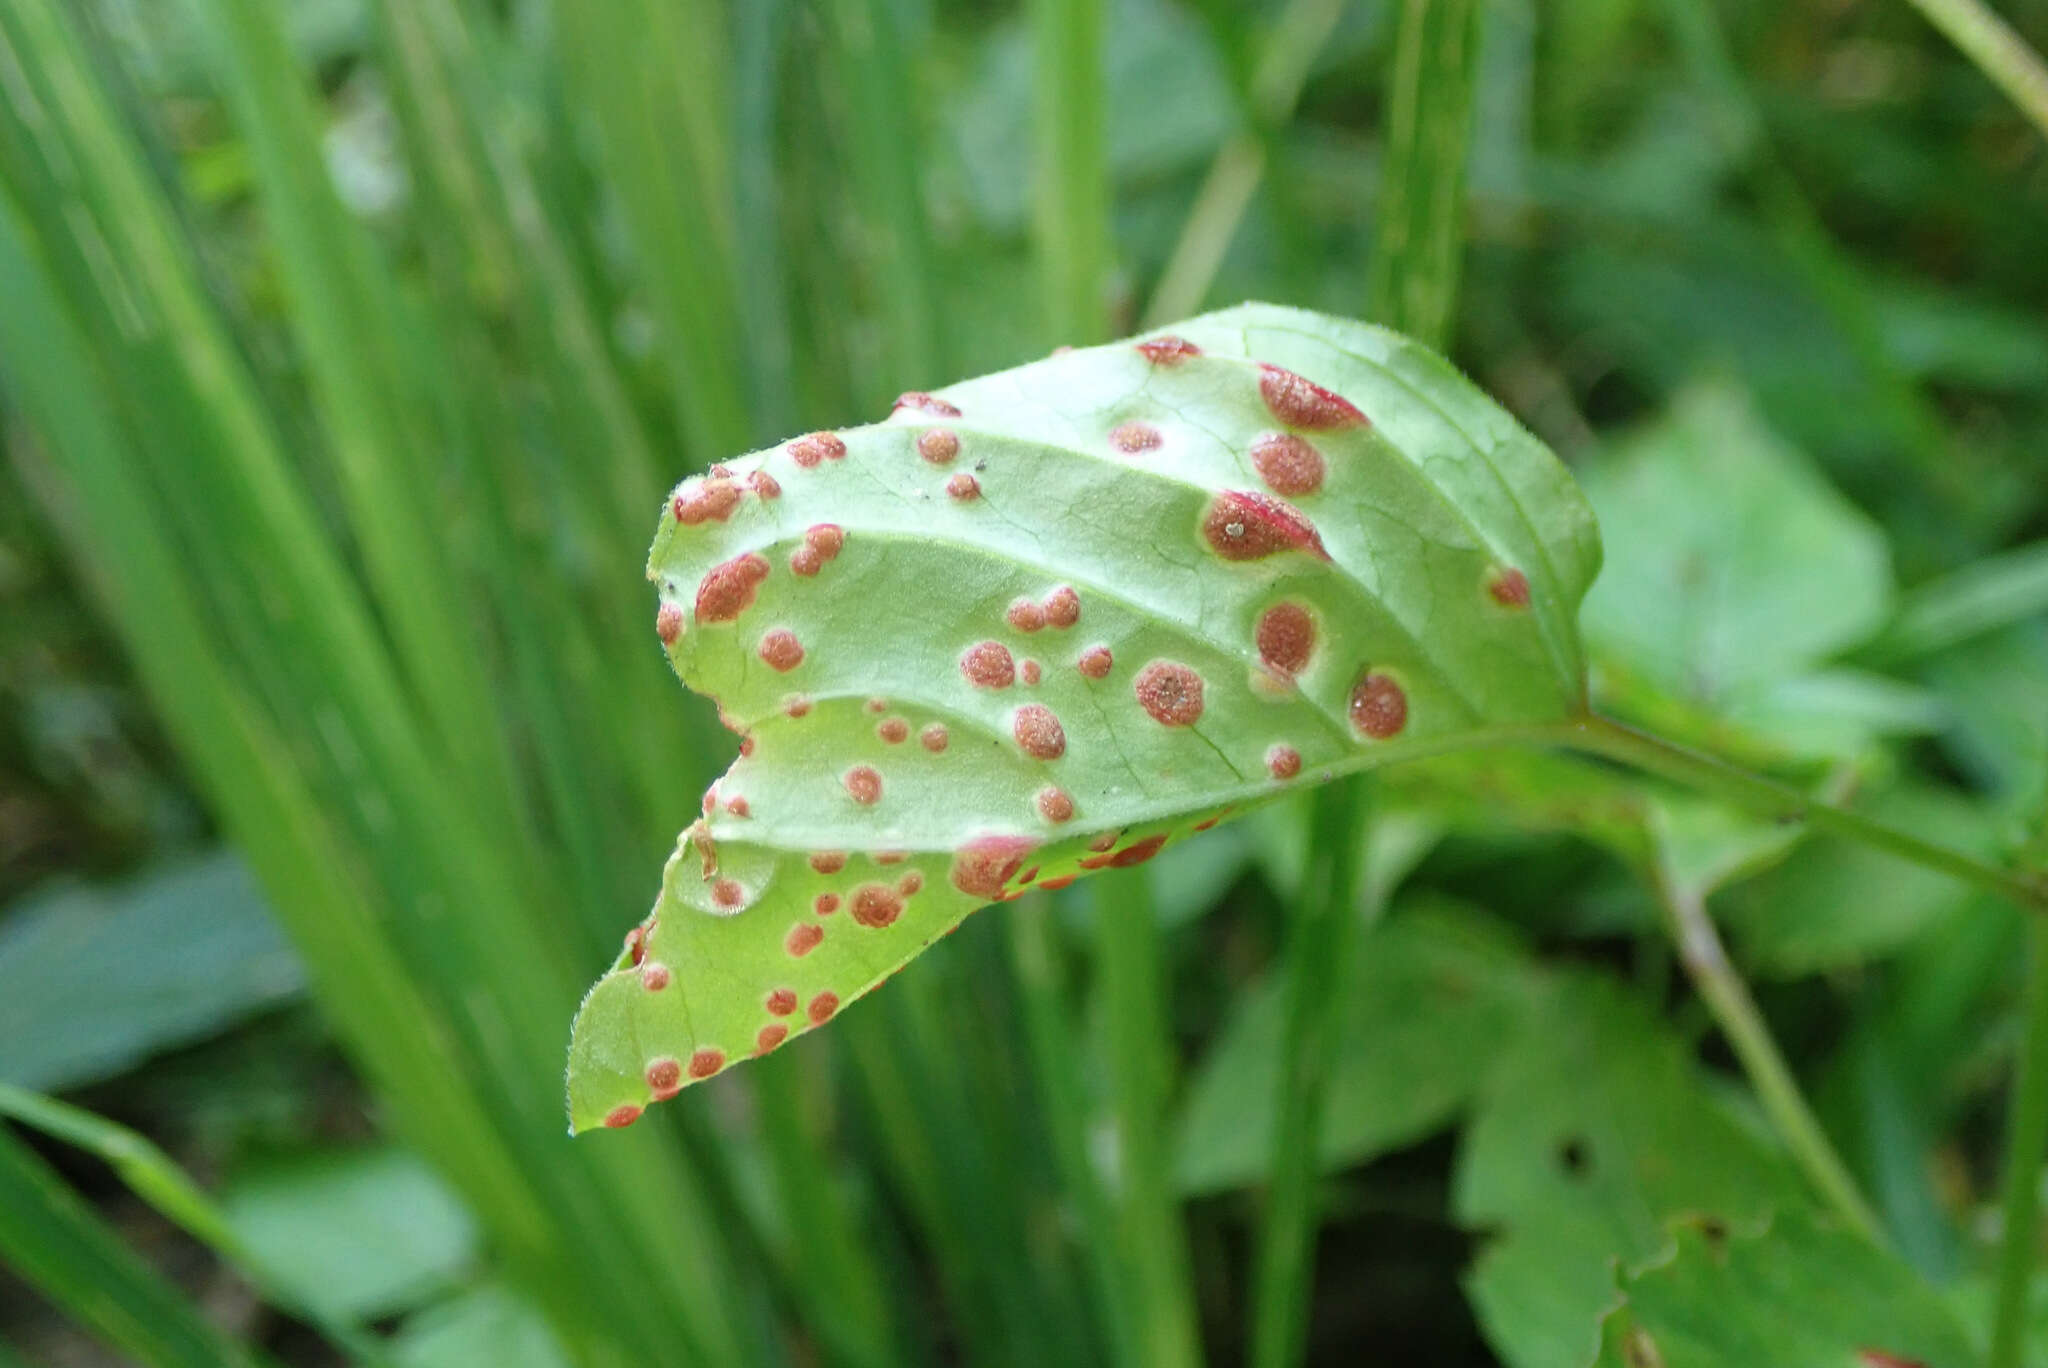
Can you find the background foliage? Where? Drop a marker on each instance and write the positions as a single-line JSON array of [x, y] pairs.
[[346, 348]]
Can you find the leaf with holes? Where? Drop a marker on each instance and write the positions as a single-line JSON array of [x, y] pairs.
[[1045, 622]]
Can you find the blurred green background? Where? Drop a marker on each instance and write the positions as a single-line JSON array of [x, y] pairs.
[[347, 348]]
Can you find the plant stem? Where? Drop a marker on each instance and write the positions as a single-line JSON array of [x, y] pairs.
[[2026, 1142], [1319, 940], [1999, 52], [1071, 205], [1603, 736], [1304, 26], [1419, 230], [1132, 995], [1735, 1012]]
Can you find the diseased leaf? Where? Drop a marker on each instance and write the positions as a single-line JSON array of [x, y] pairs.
[[1044, 622]]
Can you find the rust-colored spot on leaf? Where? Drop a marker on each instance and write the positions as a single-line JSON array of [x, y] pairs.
[[764, 485], [1286, 638], [728, 894], [620, 1117], [1132, 438], [1062, 607], [665, 1077], [781, 1002], [1288, 464], [1509, 588], [1283, 762], [876, 905], [894, 731], [654, 976], [1025, 615], [926, 403], [1168, 350], [1095, 662], [1301, 403], [1055, 805], [769, 1036], [727, 589], [806, 561], [710, 500], [1055, 885], [803, 938], [1170, 692], [706, 1062], [1242, 525], [825, 539], [808, 450], [938, 445], [1039, 732], [782, 650], [933, 738], [986, 863], [828, 861], [988, 665], [668, 624], [864, 783], [911, 883], [1379, 708], [1136, 853], [964, 487], [822, 1007]]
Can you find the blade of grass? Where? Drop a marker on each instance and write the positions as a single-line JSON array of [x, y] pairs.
[[1233, 178], [648, 77], [1131, 998], [1059, 1069], [151, 1175], [2026, 1143], [1999, 52], [1070, 171], [1983, 596], [60, 1246], [1319, 940], [874, 76]]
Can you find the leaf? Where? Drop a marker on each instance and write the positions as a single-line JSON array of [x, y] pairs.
[[1049, 620], [1432, 993], [1743, 566], [357, 1233], [206, 955], [1597, 1128], [487, 1328], [1789, 1290]]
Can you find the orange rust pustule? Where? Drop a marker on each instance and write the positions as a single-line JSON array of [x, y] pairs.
[[864, 783], [925, 403], [986, 863], [1055, 805], [706, 1062], [620, 1117], [1283, 762], [1095, 662], [933, 738], [782, 650], [1243, 525], [1286, 638], [727, 589], [825, 904], [814, 447], [1509, 588], [1168, 350], [1025, 615], [781, 1002], [802, 939], [1301, 403], [1288, 464], [1062, 607], [822, 1007], [711, 501], [894, 731], [1132, 438], [770, 1036], [1170, 692], [988, 665], [1379, 708], [828, 861], [938, 445], [1136, 853], [964, 487], [665, 1077], [1039, 732], [876, 905], [668, 624]]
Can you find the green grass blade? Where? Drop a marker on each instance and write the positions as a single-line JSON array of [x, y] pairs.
[[1999, 52], [56, 1242], [1419, 231], [151, 1175], [1131, 997], [1070, 207], [1319, 941]]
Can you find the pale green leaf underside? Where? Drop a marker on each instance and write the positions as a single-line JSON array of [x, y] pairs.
[[1454, 551]]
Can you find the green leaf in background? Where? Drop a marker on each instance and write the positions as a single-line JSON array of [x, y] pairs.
[[1044, 622], [1599, 1128], [94, 981], [358, 1233], [1787, 1290], [1432, 993], [1744, 567], [486, 1328]]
